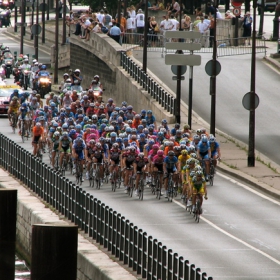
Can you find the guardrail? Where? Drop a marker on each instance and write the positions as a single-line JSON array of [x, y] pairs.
[[144, 254], [165, 99]]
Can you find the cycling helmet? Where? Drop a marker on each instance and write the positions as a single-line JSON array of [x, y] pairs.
[[52, 104], [115, 145], [160, 134], [24, 105], [128, 130], [160, 153], [151, 142], [38, 124], [140, 127], [164, 121], [77, 71], [196, 137], [149, 112], [78, 126], [62, 114], [170, 143], [56, 134], [86, 119], [98, 145], [171, 153], [155, 147], [204, 139], [65, 126], [52, 129], [137, 116], [113, 134], [72, 132], [142, 135], [44, 67], [199, 173], [143, 112], [119, 140], [184, 152], [110, 100], [191, 149], [91, 105], [129, 107], [212, 139], [186, 126], [124, 103], [193, 155], [141, 155], [129, 121], [177, 148]]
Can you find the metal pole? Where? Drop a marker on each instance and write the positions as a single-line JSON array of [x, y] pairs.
[[145, 47], [15, 25], [43, 21], [179, 74], [24, 15], [119, 12], [213, 78], [8, 217], [64, 24], [36, 40], [190, 88], [251, 146], [260, 33], [54, 252], [32, 18], [21, 27], [275, 35], [48, 10], [56, 43]]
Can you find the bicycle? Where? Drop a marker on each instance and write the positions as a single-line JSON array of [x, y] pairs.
[[14, 121], [98, 175], [212, 172], [170, 187], [79, 172], [115, 179], [198, 209], [158, 184], [64, 166], [141, 185], [91, 174], [56, 161], [24, 131], [106, 172]]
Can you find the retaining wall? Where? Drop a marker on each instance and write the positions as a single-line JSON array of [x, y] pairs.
[[92, 262]]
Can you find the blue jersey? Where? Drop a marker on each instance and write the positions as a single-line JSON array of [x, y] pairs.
[[171, 162], [203, 149], [214, 147], [150, 120], [79, 148]]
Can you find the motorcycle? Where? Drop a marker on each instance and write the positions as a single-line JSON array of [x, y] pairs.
[[24, 79], [2, 73], [44, 85], [16, 73], [9, 67]]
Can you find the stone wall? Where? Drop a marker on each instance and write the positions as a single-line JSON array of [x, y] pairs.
[[92, 262]]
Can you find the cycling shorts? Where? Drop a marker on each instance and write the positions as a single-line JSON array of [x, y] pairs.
[[36, 139], [80, 155], [65, 149], [159, 167], [169, 170], [116, 161], [26, 118], [214, 154], [199, 190], [139, 168], [204, 155], [98, 160], [55, 148]]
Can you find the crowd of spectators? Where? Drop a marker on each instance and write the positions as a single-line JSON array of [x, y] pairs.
[[132, 25]]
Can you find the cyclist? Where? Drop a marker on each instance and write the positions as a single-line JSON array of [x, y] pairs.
[[198, 187], [78, 153], [65, 147], [170, 166], [139, 165], [89, 155], [215, 149], [24, 116], [114, 157], [38, 135], [99, 155], [157, 165], [151, 119], [13, 108], [204, 153], [128, 160], [55, 146]]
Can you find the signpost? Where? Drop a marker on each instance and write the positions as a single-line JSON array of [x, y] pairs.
[[181, 60]]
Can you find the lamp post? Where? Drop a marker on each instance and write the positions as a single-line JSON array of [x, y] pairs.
[[145, 47], [55, 78], [251, 146]]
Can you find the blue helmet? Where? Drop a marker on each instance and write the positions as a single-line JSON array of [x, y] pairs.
[[43, 67]]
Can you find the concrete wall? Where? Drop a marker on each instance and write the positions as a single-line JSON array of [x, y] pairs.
[[105, 61], [92, 262]]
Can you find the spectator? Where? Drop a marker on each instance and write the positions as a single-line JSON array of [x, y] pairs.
[[203, 27], [175, 8], [186, 23], [211, 28], [107, 19], [100, 16], [229, 15], [130, 29], [210, 10], [175, 23], [247, 27], [132, 11], [154, 31], [219, 15], [88, 29], [122, 22], [115, 32], [140, 21]]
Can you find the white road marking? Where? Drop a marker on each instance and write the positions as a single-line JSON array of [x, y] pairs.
[[248, 188]]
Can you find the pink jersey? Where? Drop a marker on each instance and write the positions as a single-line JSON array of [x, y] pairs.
[[151, 154], [158, 160]]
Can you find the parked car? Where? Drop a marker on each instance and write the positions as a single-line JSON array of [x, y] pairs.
[[5, 93]]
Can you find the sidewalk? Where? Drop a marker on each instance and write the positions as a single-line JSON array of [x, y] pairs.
[[265, 175]]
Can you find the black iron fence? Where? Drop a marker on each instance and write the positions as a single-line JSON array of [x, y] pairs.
[[144, 254], [165, 99]]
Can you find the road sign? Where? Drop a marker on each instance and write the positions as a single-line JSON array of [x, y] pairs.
[[36, 30], [174, 78], [236, 3], [181, 59], [183, 34], [209, 68], [236, 11], [21, 24], [174, 69], [183, 46], [246, 101]]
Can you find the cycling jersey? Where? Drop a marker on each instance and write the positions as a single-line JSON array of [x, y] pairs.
[[171, 164], [150, 120], [14, 107], [65, 141], [38, 131], [214, 148], [198, 186]]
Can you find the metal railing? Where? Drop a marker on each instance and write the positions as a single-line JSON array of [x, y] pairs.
[[165, 99], [226, 46], [130, 244]]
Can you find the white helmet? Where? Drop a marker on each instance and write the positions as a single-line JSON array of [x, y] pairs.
[[25, 56], [77, 70], [34, 60]]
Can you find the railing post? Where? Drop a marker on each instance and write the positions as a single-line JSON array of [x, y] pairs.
[[150, 258]]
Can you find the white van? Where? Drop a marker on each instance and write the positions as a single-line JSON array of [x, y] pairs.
[[269, 6]]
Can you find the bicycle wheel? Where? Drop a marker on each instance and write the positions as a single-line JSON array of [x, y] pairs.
[[97, 178], [141, 189], [131, 187], [212, 174], [158, 190], [198, 209], [170, 190], [22, 131]]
